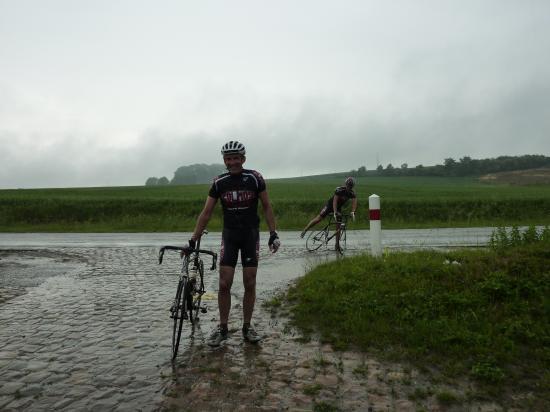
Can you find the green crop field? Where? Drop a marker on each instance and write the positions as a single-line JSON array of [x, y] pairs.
[[406, 202]]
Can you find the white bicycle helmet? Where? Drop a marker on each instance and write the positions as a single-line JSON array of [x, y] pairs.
[[233, 147]]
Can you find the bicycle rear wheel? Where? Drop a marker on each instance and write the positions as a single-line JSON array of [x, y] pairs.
[[315, 240], [179, 314]]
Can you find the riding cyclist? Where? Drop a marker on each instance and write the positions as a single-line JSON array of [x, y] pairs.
[[238, 190], [334, 206]]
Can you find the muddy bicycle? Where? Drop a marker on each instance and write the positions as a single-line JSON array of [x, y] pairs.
[[187, 303], [322, 237]]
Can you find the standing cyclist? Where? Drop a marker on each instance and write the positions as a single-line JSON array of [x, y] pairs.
[[334, 205], [238, 190]]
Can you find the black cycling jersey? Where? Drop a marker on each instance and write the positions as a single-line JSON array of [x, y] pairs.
[[343, 196], [239, 198]]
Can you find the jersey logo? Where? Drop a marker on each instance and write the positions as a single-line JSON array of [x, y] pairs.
[[238, 198]]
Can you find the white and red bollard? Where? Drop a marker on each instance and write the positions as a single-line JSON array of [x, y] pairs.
[[375, 225]]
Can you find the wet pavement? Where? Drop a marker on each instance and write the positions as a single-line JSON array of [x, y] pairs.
[[84, 325]]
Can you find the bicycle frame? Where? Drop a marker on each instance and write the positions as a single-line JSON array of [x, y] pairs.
[[322, 237]]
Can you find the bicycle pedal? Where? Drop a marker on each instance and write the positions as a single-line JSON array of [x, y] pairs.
[[204, 310]]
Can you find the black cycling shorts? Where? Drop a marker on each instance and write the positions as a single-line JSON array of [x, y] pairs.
[[328, 210], [247, 240]]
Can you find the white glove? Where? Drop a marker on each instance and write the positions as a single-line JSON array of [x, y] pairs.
[[276, 245], [274, 242], [352, 216]]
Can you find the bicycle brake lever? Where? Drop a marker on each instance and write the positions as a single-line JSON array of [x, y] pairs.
[[214, 259], [161, 254]]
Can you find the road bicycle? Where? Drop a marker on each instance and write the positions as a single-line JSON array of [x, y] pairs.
[[322, 237], [187, 303]]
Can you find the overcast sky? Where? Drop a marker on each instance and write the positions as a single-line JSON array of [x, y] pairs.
[[96, 93]]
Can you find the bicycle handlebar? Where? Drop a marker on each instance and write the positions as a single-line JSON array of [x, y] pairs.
[[181, 249], [343, 216]]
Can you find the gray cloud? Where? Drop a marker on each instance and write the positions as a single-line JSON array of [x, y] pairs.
[[309, 88], [315, 135]]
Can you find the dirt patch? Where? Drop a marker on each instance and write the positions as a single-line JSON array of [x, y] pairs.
[[519, 177]]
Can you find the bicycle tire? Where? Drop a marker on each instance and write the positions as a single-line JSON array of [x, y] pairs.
[[343, 239], [180, 315], [188, 291], [197, 292], [315, 240]]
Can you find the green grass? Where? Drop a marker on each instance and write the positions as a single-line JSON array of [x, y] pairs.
[[407, 202], [485, 318]]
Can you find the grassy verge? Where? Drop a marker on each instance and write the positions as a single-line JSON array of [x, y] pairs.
[[482, 314], [164, 215]]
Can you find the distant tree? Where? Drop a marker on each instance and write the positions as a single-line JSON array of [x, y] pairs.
[[196, 173], [163, 181], [450, 166], [404, 166], [361, 171], [380, 169], [152, 181], [449, 162], [390, 170], [418, 170]]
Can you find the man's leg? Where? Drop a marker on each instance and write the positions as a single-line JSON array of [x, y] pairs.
[[228, 260], [250, 255], [224, 305], [224, 293], [312, 223], [249, 281]]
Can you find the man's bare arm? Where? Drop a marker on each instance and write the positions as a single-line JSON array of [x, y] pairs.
[[268, 211]]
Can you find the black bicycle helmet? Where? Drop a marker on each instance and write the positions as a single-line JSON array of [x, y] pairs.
[[350, 182], [233, 147]]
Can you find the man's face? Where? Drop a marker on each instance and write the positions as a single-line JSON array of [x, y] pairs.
[[234, 163]]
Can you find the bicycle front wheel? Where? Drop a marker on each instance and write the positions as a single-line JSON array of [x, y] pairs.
[[179, 314], [196, 294], [343, 239], [315, 240]]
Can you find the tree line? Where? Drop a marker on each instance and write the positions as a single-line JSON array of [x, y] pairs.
[[465, 166]]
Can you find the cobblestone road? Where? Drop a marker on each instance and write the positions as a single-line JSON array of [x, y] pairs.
[[89, 329]]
